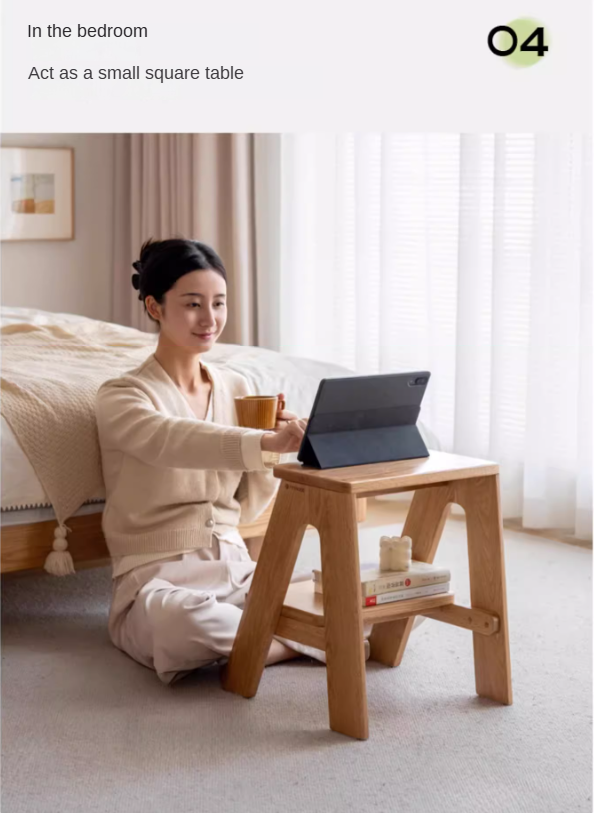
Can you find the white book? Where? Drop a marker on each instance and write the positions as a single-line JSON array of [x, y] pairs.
[[375, 581], [403, 595], [399, 595]]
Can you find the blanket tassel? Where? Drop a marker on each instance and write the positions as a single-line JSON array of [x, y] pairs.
[[59, 561]]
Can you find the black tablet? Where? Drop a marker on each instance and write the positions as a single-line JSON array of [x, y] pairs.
[[365, 419]]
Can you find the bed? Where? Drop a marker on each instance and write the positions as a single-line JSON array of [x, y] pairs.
[[28, 514]]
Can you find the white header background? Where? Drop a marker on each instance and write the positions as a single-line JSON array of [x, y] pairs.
[[313, 64]]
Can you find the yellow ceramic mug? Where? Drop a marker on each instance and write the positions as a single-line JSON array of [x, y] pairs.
[[258, 411]]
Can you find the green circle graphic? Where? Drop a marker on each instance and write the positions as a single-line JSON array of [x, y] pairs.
[[524, 27]]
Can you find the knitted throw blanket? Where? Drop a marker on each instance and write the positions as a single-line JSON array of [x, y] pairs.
[[50, 376]]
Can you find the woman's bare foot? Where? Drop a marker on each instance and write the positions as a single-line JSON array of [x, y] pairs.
[[276, 654]]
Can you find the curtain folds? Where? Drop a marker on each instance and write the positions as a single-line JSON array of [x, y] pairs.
[[465, 254], [199, 186], [469, 255]]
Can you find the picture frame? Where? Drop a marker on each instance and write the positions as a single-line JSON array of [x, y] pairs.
[[37, 193]]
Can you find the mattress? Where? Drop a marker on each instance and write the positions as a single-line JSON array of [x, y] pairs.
[[23, 499]]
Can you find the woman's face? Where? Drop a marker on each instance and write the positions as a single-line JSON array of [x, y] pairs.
[[194, 311]]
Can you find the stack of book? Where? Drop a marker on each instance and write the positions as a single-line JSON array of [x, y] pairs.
[[382, 587]]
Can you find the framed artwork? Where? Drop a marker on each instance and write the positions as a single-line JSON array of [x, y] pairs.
[[37, 193]]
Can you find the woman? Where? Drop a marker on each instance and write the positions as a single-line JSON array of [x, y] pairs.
[[179, 474]]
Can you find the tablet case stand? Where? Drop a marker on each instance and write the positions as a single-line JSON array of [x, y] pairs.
[[328, 450]]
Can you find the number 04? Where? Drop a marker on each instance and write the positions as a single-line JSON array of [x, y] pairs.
[[537, 34]]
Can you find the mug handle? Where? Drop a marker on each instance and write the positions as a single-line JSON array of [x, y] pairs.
[[281, 404]]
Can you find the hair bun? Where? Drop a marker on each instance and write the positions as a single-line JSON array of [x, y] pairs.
[[136, 277]]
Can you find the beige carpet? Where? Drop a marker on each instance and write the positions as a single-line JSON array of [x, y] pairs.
[[85, 728]]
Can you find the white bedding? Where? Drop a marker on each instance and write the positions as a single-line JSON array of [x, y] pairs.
[[23, 499]]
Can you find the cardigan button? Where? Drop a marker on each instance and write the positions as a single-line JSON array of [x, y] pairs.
[[209, 523]]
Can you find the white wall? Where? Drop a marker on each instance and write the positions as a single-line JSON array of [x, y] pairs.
[[70, 276]]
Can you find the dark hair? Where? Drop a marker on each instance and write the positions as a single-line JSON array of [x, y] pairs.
[[163, 262]]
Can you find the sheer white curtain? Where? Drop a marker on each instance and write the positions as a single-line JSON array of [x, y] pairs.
[[467, 255]]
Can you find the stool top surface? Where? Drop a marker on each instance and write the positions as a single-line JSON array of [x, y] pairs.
[[439, 467]]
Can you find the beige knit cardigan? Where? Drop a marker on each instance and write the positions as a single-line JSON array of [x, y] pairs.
[[169, 477], [50, 378]]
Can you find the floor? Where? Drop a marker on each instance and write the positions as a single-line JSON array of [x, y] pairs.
[[86, 728]]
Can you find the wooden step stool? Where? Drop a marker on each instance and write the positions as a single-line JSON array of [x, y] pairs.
[[334, 622]]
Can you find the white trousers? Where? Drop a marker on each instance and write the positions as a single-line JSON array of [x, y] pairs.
[[182, 613], [179, 614]]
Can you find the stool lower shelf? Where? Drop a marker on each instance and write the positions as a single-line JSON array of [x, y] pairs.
[[327, 499], [302, 615]]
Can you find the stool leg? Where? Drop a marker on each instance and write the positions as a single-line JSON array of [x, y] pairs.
[[271, 580], [339, 545], [492, 665], [426, 517]]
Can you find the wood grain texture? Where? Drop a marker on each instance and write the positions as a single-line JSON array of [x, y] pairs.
[[272, 576], [338, 615], [424, 523], [382, 478], [492, 664], [361, 509], [25, 547], [335, 517], [469, 618], [303, 633], [303, 604]]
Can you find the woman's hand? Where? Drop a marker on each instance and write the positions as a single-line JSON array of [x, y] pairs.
[[283, 416], [287, 433], [287, 439]]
